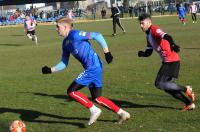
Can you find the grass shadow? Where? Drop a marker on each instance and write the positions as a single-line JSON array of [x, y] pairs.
[[121, 103], [31, 115], [17, 35], [192, 48], [11, 45]]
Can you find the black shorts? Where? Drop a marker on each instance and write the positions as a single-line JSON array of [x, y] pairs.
[[31, 32], [170, 69]]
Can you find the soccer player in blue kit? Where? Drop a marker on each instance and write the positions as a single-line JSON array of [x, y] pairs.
[[181, 13], [76, 43]]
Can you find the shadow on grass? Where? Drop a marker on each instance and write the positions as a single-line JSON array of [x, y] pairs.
[[121, 103], [192, 48], [11, 45], [31, 115], [18, 35]]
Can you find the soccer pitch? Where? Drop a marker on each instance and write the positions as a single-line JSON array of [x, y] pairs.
[[41, 101]]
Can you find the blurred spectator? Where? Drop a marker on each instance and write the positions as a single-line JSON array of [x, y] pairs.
[[94, 13], [170, 6], [11, 19], [103, 13], [41, 14], [136, 10], [130, 11], [162, 9], [121, 8], [150, 9]]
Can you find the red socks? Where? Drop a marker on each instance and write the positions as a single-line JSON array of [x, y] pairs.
[[108, 103], [81, 98]]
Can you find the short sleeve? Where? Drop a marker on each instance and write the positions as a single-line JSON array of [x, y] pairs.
[[157, 32]]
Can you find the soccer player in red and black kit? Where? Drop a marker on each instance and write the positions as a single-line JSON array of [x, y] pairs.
[[164, 45]]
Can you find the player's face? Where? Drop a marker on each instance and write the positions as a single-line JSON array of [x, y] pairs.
[[63, 30], [145, 24]]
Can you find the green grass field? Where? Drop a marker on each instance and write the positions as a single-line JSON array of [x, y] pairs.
[[40, 100]]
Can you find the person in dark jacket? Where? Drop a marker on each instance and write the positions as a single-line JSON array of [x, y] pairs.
[[116, 19]]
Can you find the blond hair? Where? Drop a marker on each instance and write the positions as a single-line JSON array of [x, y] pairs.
[[64, 20]]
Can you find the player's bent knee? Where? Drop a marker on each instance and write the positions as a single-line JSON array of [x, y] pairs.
[[97, 99], [70, 94], [71, 89]]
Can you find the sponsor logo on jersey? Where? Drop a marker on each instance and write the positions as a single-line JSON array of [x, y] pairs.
[[82, 33]]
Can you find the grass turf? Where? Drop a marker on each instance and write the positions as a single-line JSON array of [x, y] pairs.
[[40, 100]]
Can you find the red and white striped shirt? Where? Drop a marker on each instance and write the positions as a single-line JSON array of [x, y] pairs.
[[161, 46]]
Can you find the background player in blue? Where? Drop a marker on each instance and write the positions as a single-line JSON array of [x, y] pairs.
[[181, 13], [76, 43]]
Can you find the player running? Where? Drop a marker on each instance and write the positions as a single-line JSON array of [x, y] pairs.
[[76, 43], [181, 13], [164, 45], [193, 11], [29, 28]]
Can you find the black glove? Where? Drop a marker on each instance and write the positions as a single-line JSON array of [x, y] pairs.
[[141, 53], [46, 70], [108, 57], [175, 48]]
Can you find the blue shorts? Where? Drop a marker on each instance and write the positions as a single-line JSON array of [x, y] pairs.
[[91, 77], [181, 16]]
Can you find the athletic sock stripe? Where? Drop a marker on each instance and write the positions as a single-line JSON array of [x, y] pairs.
[[102, 103], [79, 97]]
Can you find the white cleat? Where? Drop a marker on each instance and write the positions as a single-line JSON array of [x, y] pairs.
[[123, 117], [94, 116]]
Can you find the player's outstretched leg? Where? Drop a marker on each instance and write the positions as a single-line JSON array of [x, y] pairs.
[[96, 96], [35, 39], [123, 115], [73, 92], [82, 99], [29, 36]]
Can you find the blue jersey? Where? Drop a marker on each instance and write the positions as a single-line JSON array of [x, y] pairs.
[[181, 11], [77, 43]]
